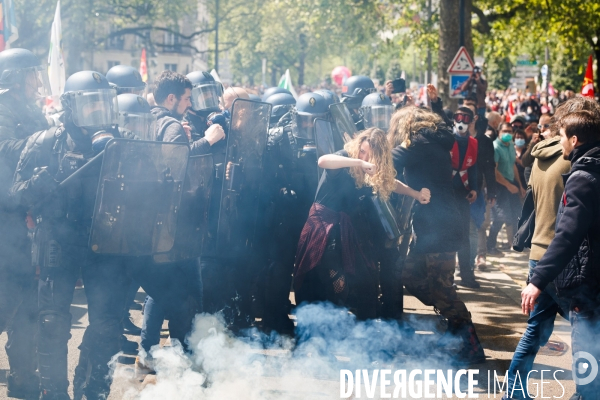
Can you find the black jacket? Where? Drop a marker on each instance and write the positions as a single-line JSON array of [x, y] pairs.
[[573, 257], [169, 129], [427, 164]]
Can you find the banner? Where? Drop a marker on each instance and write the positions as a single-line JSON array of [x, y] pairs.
[[144, 66], [56, 63], [286, 83]]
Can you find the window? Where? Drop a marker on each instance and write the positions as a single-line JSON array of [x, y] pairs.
[[112, 64], [117, 42], [172, 42], [171, 67]]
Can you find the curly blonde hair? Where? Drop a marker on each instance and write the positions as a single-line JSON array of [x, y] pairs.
[[407, 122], [384, 180]]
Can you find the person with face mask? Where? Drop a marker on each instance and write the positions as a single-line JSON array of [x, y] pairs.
[[22, 81], [464, 180], [520, 139], [508, 204]]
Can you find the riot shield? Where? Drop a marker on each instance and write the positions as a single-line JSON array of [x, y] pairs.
[[386, 214], [138, 197], [342, 121], [323, 140], [192, 216], [240, 191]]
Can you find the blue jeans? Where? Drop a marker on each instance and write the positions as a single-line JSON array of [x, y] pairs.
[[585, 337], [539, 328]]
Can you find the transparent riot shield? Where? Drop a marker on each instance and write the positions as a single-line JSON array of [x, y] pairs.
[[342, 121], [138, 197], [387, 216], [246, 144], [192, 217], [323, 140]]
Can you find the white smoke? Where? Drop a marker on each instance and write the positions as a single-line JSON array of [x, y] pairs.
[[256, 366]]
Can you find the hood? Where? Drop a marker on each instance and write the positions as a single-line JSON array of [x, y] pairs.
[[547, 149], [589, 161], [160, 112], [441, 136]]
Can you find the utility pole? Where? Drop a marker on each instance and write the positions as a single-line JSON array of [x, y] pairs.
[[461, 23], [217, 35], [429, 45]]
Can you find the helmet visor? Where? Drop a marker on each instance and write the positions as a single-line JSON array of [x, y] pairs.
[[36, 81], [142, 125], [378, 116], [206, 96], [96, 108], [303, 126], [139, 91]]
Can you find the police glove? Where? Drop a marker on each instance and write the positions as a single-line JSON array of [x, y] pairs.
[[43, 181]]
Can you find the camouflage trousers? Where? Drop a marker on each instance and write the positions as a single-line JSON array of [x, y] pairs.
[[430, 277]]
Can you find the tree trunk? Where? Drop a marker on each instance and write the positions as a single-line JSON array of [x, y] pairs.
[[302, 58], [449, 43], [597, 55]]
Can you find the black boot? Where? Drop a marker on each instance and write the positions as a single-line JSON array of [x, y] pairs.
[[472, 350], [22, 387], [52, 355]]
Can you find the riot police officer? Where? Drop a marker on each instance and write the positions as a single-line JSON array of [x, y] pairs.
[[273, 90], [135, 117], [205, 96], [62, 216], [127, 79], [355, 89], [22, 81], [282, 104], [329, 96], [376, 110], [291, 177]]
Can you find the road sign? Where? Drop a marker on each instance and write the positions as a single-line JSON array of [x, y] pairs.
[[462, 63], [456, 82], [544, 71]]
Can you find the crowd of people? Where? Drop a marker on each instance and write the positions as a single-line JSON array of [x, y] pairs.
[[217, 200]]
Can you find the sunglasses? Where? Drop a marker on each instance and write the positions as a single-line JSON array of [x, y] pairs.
[[543, 127], [465, 118]]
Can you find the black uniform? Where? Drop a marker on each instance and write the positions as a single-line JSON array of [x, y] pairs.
[[18, 287]]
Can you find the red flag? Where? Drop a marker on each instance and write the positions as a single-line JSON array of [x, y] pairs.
[[143, 66], [587, 90]]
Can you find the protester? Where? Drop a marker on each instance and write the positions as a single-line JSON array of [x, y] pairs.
[[422, 145], [572, 257], [520, 140], [547, 187], [508, 204], [330, 261]]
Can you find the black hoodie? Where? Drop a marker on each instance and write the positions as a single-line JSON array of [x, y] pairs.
[[169, 129], [573, 256], [427, 164]]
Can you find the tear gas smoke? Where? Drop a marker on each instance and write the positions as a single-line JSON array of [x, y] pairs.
[[255, 366]]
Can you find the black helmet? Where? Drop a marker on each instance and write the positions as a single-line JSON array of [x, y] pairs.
[[16, 64], [254, 97], [205, 92], [308, 107], [91, 99], [356, 88], [331, 97], [127, 79], [377, 110], [135, 116], [274, 90], [282, 103]]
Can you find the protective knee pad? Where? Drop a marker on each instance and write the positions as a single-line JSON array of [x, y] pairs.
[[54, 326]]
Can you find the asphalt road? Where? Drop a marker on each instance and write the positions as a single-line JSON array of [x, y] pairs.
[[496, 312]]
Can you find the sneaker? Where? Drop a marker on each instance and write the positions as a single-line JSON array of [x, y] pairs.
[[495, 252], [145, 367], [481, 263]]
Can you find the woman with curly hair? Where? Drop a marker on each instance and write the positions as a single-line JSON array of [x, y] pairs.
[[330, 261], [421, 152]]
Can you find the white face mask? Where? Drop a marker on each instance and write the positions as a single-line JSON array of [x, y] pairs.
[[460, 127]]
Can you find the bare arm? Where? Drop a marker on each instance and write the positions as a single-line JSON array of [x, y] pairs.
[[333, 161], [422, 196]]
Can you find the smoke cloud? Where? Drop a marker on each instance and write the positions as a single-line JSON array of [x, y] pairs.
[[256, 366]]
